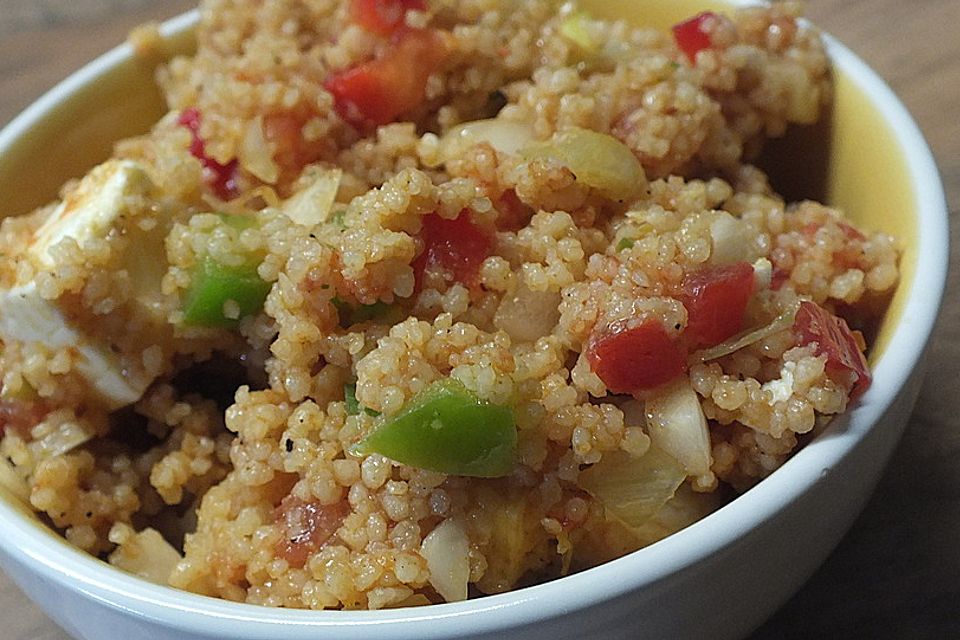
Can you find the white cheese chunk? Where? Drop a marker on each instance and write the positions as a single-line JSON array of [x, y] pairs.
[[781, 389], [101, 198], [27, 317], [106, 194]]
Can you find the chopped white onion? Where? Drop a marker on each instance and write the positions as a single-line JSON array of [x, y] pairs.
[[505, 136], [686, 507], [632, 489], [446, 550], [57, 435], [676, 424], [256, 154], [762, 274], [528, 315], [145, 554], [597, 160], [731, 242], [311, 205], [781, 323]]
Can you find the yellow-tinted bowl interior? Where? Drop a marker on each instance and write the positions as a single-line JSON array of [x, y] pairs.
[[852, 160]]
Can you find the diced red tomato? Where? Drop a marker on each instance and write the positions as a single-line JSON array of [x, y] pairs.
[[716, 299], [382, 17], [836, 341], [457, 247], [380, 90], [222, 178], [633, 359], [306, 527], [691, 35]]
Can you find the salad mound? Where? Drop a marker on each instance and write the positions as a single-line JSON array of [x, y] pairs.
[[410, 301]]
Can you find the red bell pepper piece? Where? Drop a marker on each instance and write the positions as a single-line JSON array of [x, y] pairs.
[[457, 247], [716, 299], [691, 35], [379, 91], [834, 339], [633, 359]]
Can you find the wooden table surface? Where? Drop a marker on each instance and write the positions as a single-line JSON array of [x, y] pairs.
[[897, 573]]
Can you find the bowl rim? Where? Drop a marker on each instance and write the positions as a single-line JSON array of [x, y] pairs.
[[56, 560]]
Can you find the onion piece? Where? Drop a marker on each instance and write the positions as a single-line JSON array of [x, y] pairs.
[[506, 530], [686, 507], [145, 554], [782, 322], [596, 159], [416, 600], [528, 315], [446, 550], [762, 274], [676, 424], [633, 490], [578, 29], [59, 433], [730, 241], [506, 136], [256, 154], [247, 203], [312, 205]]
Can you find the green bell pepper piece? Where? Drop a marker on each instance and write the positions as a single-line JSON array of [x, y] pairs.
[[213, 284], [446, 428]]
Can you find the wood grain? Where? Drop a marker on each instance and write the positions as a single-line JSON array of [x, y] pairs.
[[897, 573]]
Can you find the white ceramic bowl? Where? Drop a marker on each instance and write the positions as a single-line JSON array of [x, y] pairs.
[[719, 578]]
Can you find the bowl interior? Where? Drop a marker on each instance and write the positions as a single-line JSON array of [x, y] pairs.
[[853, 161]]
